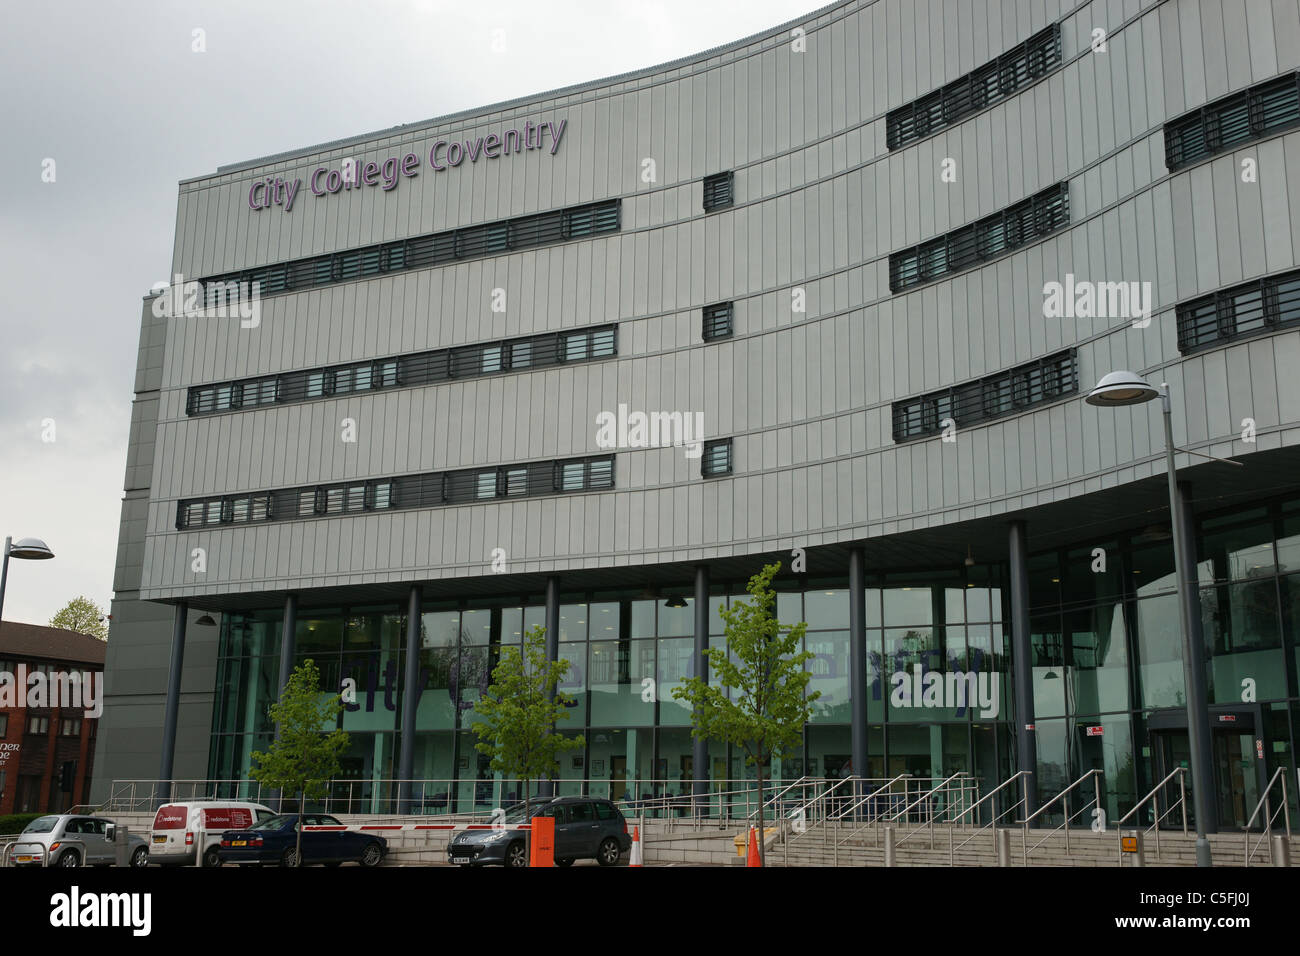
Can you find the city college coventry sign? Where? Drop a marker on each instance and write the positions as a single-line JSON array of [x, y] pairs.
[[443, 155]]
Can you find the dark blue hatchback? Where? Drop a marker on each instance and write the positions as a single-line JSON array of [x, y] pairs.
[[276, 841]]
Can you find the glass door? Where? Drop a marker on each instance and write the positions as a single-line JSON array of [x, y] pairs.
[[1235, 777]]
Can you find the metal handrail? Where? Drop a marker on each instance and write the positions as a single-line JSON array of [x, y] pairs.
[[1063, 796], [1154, 797], [993, 821], [1269, 816], [777, 796], [888, 786], [924, 798]]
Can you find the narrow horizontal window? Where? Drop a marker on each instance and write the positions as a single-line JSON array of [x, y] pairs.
[[994, 396], [991, 83], [1040, 215], [418, 252], [1241, 311], [421, 368], [1233, 121]]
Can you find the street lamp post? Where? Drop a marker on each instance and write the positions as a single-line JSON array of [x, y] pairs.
[[30, 548], [1126, 388]]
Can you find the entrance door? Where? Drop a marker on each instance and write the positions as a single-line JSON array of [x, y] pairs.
[[1235, 777], [1171, 749], [618, 786]]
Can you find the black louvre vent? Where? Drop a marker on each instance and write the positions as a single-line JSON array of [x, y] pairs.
[[717, 320], [719, 191]]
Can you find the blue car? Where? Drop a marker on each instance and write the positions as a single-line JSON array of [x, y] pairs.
[[276, 841]]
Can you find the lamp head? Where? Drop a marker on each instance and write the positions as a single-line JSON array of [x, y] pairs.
[[32, 548], [1122, 388]]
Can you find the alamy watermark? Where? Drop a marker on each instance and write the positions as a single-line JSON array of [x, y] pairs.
[[65, 690], [626, 429], [1085, 299], [213, 299]]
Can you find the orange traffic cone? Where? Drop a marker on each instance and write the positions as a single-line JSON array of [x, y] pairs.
[[635, 859], [753, 849]]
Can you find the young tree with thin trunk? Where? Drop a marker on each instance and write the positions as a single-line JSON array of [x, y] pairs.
[[758, 699], [305, 754], [519, 713]]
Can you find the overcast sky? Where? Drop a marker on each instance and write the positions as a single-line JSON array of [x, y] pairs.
[[116, 96]]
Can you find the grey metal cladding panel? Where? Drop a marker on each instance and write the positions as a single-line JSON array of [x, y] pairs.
[[912, 343]]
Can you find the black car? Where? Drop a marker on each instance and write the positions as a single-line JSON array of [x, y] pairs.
[[276, 841], [586, 828]]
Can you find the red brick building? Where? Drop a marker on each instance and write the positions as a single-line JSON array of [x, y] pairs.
[[46, 752]]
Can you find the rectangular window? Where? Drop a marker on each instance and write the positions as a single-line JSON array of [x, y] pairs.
[[1006, 393], [717, 321], [719, 191], [491, 359], [486, 486], [4, 718], [38, 725], [521, 354], [990, 83], [717, 458], [516, 482], [1231, 121], [1028, 220], [70, 727], [572, 476]]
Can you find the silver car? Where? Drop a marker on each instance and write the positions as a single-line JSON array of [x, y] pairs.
[[69, 839]]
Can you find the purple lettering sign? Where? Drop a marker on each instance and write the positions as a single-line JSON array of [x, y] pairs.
[[443, 155]]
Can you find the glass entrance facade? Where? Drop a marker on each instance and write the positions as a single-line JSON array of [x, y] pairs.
[[1106, 674]]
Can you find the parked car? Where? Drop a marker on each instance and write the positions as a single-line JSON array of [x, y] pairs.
[[69, 839], [589, 828], [276, 841], [182, 829]]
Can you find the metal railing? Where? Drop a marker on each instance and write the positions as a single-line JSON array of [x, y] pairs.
[[937, 798], [877, 803], [1154, 797], [994, 816], [672, 800], [1064, 797], [1265, 804]]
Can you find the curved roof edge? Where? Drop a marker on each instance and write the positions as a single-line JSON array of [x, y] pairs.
[[524, 100]]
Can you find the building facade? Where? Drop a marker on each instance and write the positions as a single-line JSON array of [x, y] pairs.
[[832, 296], [47, 735]]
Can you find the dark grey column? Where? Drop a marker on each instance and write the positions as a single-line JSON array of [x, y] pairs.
[[546, 788], [410, 698], [288, 641], [1197, 695], [288, 647], [858, 660], [1022, 662], [173, 701], [700, 749]]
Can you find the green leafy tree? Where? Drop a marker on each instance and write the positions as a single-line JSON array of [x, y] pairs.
[[84, 616], [520, 710], [304, 756], [767, 708]]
